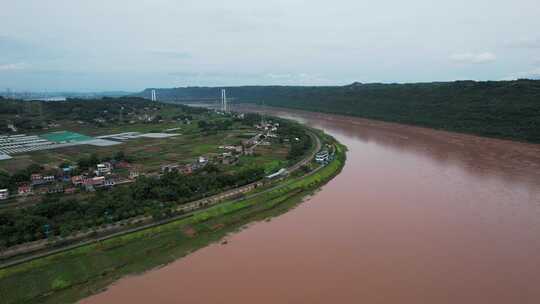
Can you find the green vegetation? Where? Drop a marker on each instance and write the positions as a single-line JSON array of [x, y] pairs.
[[29, 116], [74, 274], [502, 109], [53, 215], [147, 196]]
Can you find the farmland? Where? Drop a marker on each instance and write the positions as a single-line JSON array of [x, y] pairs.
[[104, 170]]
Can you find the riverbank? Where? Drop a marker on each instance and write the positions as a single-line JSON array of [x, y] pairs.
[[496, 109], [416, 214], [71, 275]]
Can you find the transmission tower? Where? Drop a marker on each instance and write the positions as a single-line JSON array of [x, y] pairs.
[[224, 103]]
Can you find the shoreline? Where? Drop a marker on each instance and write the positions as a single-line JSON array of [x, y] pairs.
[[228, 217]]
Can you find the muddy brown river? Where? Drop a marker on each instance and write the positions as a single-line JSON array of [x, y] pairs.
[[416, 216]]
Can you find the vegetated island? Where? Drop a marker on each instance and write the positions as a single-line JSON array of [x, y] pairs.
[[98, 189], [500, 109]]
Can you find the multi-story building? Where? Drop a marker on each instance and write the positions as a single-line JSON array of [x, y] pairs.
[[322, 157]]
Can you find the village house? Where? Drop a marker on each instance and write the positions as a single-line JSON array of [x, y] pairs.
[[66, 171], [109, 182], [133, 174], [4, 194], [36, 179], [103, 169], [97, 181], [203, 160], [49, 178], [236, 149], [66, 178], [122, 165], [187, 169], [169, 168], [24, 190], [58, 188], [90, 183], [78, 180], [66, 174]]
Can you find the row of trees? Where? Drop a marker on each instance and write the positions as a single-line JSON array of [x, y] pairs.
[[55, 215], [93, 159], [300, 141], [213, 126]]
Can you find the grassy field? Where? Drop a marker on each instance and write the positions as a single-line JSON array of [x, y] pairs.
[[71, 275], [148, 153]]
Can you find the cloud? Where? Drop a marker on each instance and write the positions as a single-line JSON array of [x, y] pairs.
[[175, 54], [279, 76], [17, 50], [484, 57], [297, 78], [13, 66], [532, 74], [525, 43]]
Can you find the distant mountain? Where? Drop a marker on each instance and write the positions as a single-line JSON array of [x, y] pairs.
[[504, 109]]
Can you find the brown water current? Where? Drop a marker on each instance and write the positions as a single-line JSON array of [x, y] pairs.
[[416, 216]]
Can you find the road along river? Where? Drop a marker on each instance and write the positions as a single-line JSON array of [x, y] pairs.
[[416, 216]]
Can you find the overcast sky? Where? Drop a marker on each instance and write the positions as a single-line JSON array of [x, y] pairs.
[[97, 45]]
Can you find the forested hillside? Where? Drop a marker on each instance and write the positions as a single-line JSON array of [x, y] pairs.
[[35, 115], [503, 109]]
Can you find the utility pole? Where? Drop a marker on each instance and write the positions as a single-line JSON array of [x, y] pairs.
[[122, 114]]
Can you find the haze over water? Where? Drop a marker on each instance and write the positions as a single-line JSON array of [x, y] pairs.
[[416, 216]]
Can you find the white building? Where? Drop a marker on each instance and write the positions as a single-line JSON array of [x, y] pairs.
[[322, 157], [4, 194], [103, 169]]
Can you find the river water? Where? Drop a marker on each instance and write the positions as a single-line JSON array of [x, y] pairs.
[[416, 216]]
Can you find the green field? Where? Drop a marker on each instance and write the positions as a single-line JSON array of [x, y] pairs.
[[69, 276], [146, 153]]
